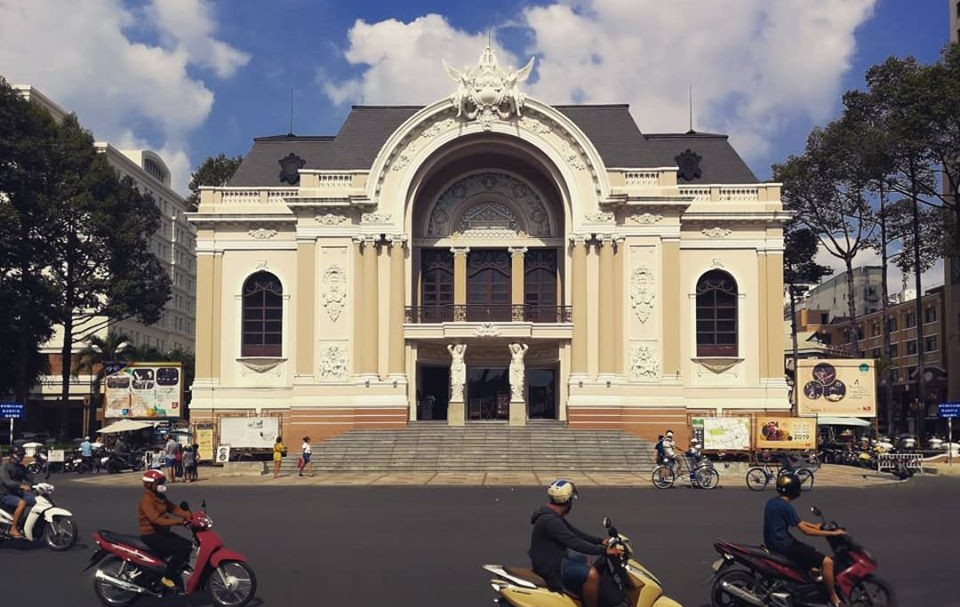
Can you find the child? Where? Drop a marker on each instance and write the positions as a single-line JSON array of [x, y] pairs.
[[188, 459]]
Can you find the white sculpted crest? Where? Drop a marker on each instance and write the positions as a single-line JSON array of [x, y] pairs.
[[644, 363], [334, 291], [487, 92], [333, 364], [642, 292]]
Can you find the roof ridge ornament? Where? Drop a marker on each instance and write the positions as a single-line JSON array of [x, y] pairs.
[[487, 92]]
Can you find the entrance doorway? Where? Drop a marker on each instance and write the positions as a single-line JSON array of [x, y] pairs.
[[542, 393], [434, 393], [488, 393]]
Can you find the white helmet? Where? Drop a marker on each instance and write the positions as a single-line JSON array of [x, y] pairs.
[[562, 491], [669, 434]]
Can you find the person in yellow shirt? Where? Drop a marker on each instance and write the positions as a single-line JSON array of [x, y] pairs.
[[279, 450]]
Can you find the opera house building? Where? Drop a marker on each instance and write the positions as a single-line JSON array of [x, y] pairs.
[[489, 258]]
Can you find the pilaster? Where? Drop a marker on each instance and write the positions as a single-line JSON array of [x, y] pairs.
[[517, 275], [578, 244], [306, 306], [460, 275], [395, 365], [370, 313], [606, 358]]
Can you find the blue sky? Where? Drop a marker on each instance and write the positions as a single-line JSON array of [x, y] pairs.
[[192, 78]]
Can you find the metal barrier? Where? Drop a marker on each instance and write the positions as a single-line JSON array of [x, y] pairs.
[[889, 461]]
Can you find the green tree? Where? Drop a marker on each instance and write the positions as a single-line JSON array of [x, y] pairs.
[[215, 171], [95, 354]]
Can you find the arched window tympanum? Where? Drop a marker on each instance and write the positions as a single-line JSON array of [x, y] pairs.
[[716, 314], [262, 316]]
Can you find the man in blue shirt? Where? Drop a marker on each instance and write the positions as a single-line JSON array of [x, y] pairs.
[[86, 452], [779, 516]]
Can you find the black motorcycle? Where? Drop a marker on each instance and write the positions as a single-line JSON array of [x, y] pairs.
[[119, 462]]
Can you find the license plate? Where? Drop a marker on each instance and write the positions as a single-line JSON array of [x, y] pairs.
[[717, 564]]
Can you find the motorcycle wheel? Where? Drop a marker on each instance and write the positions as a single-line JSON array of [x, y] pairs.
[[61, 534], [806, 479], [740, 578], [708, 478], [110, 595], [757, 478], [232, 584], [33, 468], [872, 592], [663, 477]]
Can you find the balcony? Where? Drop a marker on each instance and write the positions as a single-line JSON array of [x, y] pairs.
[[456, 313]]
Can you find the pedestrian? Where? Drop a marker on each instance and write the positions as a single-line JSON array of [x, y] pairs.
[[170, 458], [187, 460], [194, 473], [307, 452], [179, 458], [279, 450]]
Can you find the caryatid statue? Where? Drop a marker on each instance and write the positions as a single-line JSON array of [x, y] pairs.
[[458, 371], [517, 352]]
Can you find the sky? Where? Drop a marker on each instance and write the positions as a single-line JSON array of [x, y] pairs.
[[194, 78]]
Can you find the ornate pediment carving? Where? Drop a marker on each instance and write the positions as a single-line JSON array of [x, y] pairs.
[[260, 364], [334, 291], [487, 92], [642, 293]]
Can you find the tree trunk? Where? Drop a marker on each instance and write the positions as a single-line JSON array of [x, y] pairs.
[[918, 311], [793, 329], [66, 352], [885, 318], [852, 310]]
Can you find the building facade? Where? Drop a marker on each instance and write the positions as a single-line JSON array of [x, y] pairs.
[[830, 297], [489, 257], [174, 244]]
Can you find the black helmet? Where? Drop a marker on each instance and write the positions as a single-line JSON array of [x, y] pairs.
[[788, 484], [18, 453]]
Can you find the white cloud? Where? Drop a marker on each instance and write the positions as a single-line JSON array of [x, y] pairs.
[[755, 65], [120, 88]]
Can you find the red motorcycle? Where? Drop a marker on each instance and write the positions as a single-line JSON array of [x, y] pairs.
[[752, 575], [130, 571]]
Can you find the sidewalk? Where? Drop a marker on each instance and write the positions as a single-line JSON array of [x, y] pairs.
[[731, 477]]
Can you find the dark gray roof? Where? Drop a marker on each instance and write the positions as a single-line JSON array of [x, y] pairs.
[[611, 128]]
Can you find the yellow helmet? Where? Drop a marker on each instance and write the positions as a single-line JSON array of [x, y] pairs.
[[562, 491]]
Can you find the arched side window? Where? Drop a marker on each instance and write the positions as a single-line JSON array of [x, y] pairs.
[[262, 316], [716, 314]]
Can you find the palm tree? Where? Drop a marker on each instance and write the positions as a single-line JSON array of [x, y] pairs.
[[94, 356]]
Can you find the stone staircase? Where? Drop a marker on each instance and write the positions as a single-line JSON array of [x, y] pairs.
[[482, 447]]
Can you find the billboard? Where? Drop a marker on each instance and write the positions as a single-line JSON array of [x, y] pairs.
[[793, 433], [726, 433], [144, 391], [839, 387]]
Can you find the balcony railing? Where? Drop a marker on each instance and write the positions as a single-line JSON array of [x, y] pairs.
[[487, 313]]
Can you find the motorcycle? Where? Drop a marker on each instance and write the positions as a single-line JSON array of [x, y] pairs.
[[118, 462], [40, 465], [752, 575], [44, 521], [129, 570], [623, 583]]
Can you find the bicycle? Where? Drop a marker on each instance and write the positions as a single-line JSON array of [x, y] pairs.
[[758, 477], [702, 476]]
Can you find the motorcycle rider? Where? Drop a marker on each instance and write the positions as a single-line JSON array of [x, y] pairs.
[[16, 482], [156, 515], [553, 536], [779, 515]]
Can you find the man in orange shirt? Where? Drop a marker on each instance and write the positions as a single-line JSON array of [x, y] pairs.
[[156, 517]]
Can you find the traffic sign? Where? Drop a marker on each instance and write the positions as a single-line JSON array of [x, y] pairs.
[[950, 409], [11, 410]]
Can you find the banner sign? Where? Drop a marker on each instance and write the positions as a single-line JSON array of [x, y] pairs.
[[839, 387], [726, 433], [204, 438], [145, 391], [793, 433]]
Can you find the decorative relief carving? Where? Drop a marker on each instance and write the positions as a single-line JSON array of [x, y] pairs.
[[437, 128], [601, 217], [688, 164], [572, 157], [716, 232], [402, 160], [642, 293], [260, 365], [535, 126], [487, 92], [333, 362], [334, 291], [645, 219], [487, 329], [375, 218], [330, 219], [474, 205], [644, 362], [262, 233], [290, 166], [717, 263]]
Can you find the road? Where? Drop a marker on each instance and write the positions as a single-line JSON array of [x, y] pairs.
[[423, 546]]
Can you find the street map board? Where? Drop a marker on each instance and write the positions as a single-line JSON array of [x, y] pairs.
[[726, 433], [144, 391]]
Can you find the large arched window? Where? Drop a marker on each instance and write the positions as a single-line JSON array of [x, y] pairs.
[[262, 316], [716, 314]]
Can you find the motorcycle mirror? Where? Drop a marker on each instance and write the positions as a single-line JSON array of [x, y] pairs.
[[816, 511], [184, 505], [606, 523], [203, 505]]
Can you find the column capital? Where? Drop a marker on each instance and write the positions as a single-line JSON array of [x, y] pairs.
[[366, 240], [460, 250], [515, 251], [607, 239], [578, 239], [396, 239]]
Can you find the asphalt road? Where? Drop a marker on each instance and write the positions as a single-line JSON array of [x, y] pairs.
[[421, 546]]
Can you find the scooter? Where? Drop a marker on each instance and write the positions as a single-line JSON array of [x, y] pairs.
[[752, 575], [44, 521], [623, 583], [129, 570]]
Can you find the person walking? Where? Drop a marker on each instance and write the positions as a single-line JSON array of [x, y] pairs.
[[170, 458], [279, 450], [187, 460], [306, 453], [194, 475]]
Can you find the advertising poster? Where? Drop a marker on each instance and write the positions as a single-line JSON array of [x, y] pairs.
[[726, 433], [204, 438], [696, 430], [785, 433], [839, 387], [144, 391]]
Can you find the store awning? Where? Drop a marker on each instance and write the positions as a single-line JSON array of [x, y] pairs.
[[843, 421], [124, 425]]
